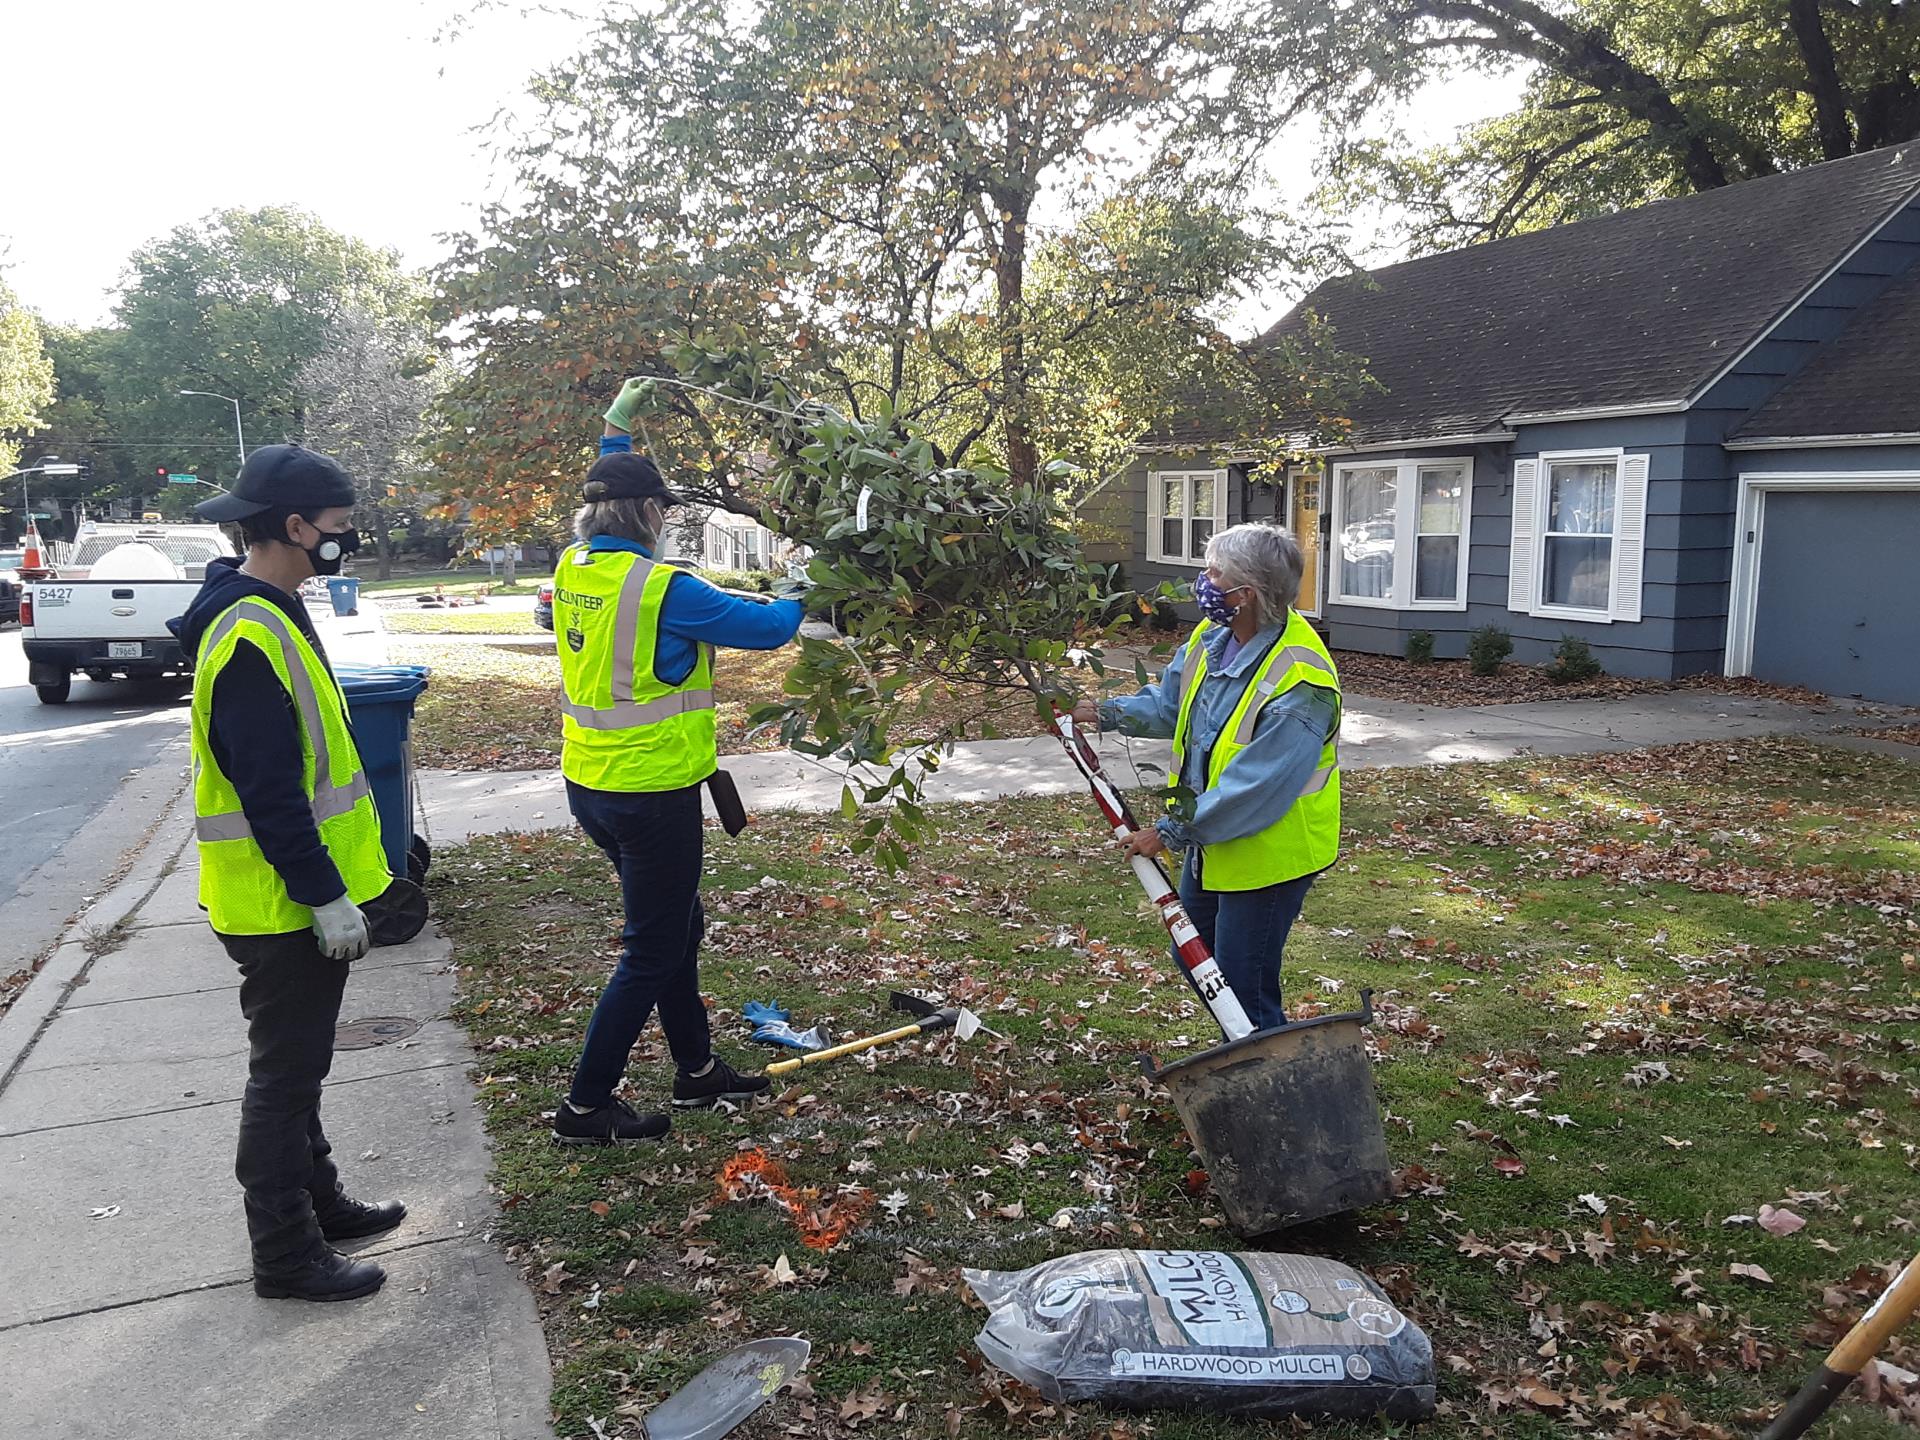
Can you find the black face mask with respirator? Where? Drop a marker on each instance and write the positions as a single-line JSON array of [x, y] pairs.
[[332, 551]]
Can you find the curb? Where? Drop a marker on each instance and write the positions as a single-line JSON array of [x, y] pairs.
[[146, 863]]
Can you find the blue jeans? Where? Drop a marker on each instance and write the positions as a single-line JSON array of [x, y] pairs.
[[1247, 931], [655, 842]]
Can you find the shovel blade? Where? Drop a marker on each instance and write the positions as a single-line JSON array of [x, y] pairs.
[[729, 1390]]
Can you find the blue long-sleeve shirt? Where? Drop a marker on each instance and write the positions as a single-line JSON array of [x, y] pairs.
[[695, 612], [1266, 777]]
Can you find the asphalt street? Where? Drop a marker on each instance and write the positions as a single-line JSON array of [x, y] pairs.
[[59, 767]]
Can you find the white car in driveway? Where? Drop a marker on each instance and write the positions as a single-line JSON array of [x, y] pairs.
[[104, 613]]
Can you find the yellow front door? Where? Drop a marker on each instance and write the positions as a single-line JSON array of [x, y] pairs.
[[1303, 519]]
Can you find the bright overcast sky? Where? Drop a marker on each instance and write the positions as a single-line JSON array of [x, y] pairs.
[[128, 118]]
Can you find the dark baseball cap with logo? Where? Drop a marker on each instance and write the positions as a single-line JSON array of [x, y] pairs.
[[283, 477], [624, 475]]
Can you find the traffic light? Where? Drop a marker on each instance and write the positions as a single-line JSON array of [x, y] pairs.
[[161, 472]]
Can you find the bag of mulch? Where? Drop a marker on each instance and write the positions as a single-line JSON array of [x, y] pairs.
[[1238, 1334]]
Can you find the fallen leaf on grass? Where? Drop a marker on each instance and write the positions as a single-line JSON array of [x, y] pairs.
[[554, 1277], [1777, 1221], [1750, 1272], [780, 1273], [1507, 1165], [600, 1208]]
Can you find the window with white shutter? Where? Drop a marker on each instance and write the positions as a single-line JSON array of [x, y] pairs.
[[1184, 510], [1526, 486], [1579, 531]]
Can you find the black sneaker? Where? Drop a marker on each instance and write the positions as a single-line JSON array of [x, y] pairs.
[[722, 1082], [614, 1123]]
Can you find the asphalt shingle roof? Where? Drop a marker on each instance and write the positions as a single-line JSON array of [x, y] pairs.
[[1642, 306], [1866, 381]]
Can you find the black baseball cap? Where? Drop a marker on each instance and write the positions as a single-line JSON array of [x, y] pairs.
[[624, 475], [286, 477]]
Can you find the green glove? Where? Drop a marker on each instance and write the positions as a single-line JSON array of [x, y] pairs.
[[637, 394]]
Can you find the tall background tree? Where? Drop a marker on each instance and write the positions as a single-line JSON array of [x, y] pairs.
[[364, 396], [933, 211], [236, 304], [1620, 101], [26, 379]]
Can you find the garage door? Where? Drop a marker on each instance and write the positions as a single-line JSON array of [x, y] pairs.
[[1837, 604]]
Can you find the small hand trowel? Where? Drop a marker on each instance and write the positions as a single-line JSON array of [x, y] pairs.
[[717, 1399]]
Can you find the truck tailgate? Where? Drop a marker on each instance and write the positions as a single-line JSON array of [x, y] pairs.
[[107, 609]]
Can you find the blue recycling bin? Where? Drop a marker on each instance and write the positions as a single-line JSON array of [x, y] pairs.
[[380, 700], [344, 590]]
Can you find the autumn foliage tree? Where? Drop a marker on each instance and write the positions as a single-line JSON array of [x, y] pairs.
[[956, 214]]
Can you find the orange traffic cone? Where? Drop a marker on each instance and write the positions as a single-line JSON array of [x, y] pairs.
[[30, 559]]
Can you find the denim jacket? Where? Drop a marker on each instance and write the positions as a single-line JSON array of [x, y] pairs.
[[1265, 778]]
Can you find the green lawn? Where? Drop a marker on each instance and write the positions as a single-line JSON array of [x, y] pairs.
[[459, 582], [462, 622], [1675, 986]]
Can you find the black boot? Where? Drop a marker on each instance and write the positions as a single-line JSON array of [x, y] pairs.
[[353, 1219], [722, 1082], [328, 1276]]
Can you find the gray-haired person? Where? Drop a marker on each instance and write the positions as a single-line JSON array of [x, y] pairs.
[[1252, 703]]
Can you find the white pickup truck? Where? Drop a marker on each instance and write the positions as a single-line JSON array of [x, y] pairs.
[[104, 613]]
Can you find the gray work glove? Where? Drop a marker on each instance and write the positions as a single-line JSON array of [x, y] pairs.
[[341, 928], [791, 589]]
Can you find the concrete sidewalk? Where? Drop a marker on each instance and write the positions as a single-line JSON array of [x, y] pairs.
[[126, 1307], [1374, 734]]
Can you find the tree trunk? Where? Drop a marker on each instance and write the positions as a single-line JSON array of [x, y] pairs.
[[1009, 273], [382, 544], [1829, 99], [511, 552]]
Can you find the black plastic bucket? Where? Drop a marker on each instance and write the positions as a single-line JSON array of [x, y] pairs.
[[1286, 1121]]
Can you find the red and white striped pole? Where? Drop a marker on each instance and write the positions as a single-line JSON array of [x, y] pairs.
[[1201, 966]]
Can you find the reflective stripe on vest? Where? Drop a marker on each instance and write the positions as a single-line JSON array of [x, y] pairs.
[[1306, 838], [328, 799]]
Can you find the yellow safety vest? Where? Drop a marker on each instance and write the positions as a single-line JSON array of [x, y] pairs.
[[622, 726], [1307, 838], [241, 892]]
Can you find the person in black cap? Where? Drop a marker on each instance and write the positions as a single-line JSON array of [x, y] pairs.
[[289, 848], [636, 640]]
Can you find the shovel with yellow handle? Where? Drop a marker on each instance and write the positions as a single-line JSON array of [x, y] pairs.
[[1852, 1355], [929, 1017]]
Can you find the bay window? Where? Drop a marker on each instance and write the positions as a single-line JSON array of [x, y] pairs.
[[1400, 533]]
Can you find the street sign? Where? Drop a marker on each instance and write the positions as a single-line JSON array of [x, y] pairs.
[[41, 515], [175, 478]]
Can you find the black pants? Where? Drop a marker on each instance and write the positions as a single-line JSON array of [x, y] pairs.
[[655, 842], [290, 994]]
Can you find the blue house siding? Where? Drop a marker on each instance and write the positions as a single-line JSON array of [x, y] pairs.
[[1827, 460], [1684, 564]]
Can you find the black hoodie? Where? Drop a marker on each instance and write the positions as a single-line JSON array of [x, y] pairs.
[[255, 736]]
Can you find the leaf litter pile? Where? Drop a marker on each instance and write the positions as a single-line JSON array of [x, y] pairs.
[[1646, 1043]]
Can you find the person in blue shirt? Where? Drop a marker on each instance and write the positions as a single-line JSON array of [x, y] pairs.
[[1246, 596], [654, 836]]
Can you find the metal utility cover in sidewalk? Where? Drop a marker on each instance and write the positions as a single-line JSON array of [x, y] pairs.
[[373, 1030]]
